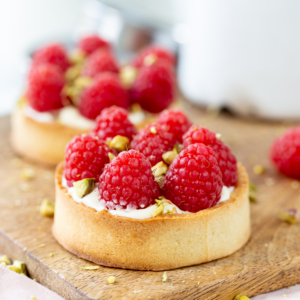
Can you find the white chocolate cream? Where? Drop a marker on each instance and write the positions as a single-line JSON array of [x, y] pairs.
[[93, 200]]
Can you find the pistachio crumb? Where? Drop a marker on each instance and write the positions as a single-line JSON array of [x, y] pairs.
[[91, 268], [153, 130], [27, 173], [159, 169], [14, 268], [159, 210], [119, 143], [84, 187], [34, 279], [42, 245], [32, 298], [169, 156], [128, 75], [5, 259], [290, 216], [111, 279], [164, 277], [241, 297], [110, 156], [258, 169], [47, 208], [21, 265], [51, 254]]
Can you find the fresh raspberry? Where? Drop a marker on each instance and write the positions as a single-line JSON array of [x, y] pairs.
[[158, 52], [105, 91], [45, 84], [153, 142], [154, 87], [98, 62], [194, 180], [226, 160], [54, 54], [127, 182], [91, 43], [285, 153], [175, 122], [114, 121], [86, 156]]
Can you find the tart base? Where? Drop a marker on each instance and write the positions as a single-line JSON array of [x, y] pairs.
[[160, 243]]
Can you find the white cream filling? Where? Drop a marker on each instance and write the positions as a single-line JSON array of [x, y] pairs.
[[92, 200]]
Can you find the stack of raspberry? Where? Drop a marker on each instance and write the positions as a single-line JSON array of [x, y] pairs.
[[193, 181], [92, 79]]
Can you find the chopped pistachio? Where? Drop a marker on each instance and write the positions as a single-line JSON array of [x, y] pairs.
[[159, 210], [177, 147], [84, 187], [73, 72], [119, 143], [42, 245], [14, 268], [258, 169], [159, 169], [77, 56], [91, 268], [6, 259], [47, 208], [81, 82], [252, 186], [111, 279], [164, 277], [290, 216], [241, 297], [21, 265], [160, 180], [51, 254], [158, 202], [169, 156], [27, 173], [150, 59], [153, 130], [128, 75], [32, 298], [110, 156]]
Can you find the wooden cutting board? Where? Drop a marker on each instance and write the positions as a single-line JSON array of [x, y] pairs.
[[270, 260]]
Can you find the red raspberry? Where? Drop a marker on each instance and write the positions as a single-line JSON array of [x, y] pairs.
[[105, 91], [194, 180], [91, 43], [153, 142], [54, 54], [175, 122], [159, 52], [98, 62], [127, 182], [154, 87], [114, 121], [285, 153], [45, 84], [225, 158], [86, 156]]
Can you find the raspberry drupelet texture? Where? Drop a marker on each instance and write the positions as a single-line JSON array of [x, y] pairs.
[[157, 52], [86, 156], [127, 182], [44, 90], [98, 62], [285, 153], [114, 121], [154, 87], [174, 121], [152, 142], [91, 43], [226, 160], [105, 91], [194, 180], [54, 54]]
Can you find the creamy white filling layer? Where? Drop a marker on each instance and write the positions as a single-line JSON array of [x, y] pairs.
[[93, 200]]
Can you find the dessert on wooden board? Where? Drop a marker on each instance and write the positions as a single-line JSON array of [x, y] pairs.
[[169, 196], [66, 92]]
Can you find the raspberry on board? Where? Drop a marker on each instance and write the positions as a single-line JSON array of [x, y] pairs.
[[194, 180], [174, 121], [153, 142], [98, 62], [226, 160], [154, 87], [127, 182], [105, 91], [285, 153], [157, 53], [91, 43], [86, 156], [44, 90], [54, 54], [114, 121]]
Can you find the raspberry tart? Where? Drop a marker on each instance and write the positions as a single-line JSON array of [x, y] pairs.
[[118, 205], [67, 92]]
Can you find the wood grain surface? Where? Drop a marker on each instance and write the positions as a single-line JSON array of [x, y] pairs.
[[270, 260]]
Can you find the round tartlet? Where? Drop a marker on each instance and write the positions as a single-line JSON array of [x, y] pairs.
[[163, 242]]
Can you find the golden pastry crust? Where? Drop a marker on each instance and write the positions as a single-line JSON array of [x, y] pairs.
[[160, 243]]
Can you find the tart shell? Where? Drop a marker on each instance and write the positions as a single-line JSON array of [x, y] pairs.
[[159, 243]]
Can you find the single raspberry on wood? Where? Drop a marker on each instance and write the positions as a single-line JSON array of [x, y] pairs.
[[54, 54], [86, 156], [127, 182], [153, 142], [194, 180], [91, 43], [114, 121], [285, 153], [98, 62], [226, 160], [105, 91], [154, 87], [44, 90], [174, 121]]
